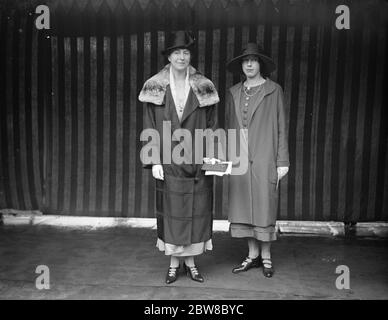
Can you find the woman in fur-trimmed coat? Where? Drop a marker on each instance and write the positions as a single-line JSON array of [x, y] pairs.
[[180, 96]]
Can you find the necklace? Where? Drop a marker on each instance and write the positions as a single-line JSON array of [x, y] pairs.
[[180, 104], [252, 94]]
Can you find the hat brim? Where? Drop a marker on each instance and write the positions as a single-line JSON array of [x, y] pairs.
[[234, 65], [172, 48]]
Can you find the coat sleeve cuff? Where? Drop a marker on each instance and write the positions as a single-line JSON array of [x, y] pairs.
[[149, 165], [283, 163]]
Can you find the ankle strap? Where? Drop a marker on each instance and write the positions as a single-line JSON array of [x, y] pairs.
[[267, 261]]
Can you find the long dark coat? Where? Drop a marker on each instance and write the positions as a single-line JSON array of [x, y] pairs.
[[253, 196], [184, 199]]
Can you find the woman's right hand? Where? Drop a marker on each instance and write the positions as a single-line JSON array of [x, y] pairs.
[[157, 171]]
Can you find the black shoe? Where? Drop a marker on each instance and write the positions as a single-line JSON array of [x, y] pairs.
[[268, 269], [172, 275], [194, 274], [247, 264]]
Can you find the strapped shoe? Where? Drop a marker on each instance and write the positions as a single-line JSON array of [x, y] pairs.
[[194, 274], [268, 269], [247, 264], [172, 275]]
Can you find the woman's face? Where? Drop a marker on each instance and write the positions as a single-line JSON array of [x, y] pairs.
[[180, 59], [251, 66]]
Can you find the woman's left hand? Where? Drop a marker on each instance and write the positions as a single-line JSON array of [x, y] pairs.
[[282, 171]]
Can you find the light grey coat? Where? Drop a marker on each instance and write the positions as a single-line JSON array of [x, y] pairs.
[[253, 196]]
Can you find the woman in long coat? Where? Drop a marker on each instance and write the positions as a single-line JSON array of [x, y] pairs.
[[179, 97], [256, 106]]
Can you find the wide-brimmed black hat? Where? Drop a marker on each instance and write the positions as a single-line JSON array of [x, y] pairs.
[[178, 40], [234, 65]]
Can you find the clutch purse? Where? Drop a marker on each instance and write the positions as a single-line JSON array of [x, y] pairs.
[[219, 167]]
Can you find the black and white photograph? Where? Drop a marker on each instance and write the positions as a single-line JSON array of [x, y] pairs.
[[194, 155]]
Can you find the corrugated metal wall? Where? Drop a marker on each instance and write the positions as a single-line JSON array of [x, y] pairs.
[[70, 119]]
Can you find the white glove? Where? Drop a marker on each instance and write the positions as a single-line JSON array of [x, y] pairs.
[[282, 171], [211, 160], [157, 171]]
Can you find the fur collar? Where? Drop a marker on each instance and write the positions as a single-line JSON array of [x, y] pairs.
[[154, 89]]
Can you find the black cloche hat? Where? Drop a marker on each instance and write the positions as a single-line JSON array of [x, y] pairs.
[[234, 65]]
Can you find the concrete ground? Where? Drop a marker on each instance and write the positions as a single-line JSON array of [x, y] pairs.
[[123, 263]]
